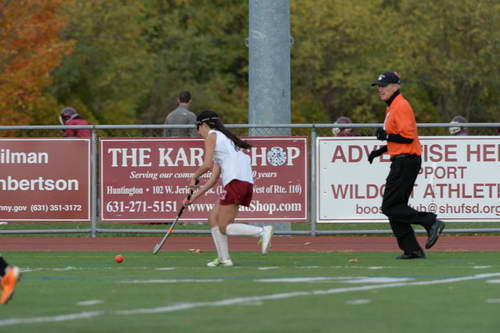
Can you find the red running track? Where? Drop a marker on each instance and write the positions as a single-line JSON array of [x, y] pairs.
[[279, 243]]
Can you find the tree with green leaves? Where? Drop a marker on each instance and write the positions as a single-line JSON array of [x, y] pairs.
[[444, 50], [132, 58]]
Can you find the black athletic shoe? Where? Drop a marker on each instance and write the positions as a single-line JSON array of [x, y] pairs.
[[420, 254], [434, 232]]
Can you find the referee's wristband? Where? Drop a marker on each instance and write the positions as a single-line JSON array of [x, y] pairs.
[[398, 138]]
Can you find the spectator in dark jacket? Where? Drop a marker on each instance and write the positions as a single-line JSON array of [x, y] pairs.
[[181, 116]]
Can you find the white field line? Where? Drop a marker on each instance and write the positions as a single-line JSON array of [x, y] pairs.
[[380, 280], [90, 302], [267, 268], [51, 319], [358, 301], [174, 281], [303, 279], [493, 300], [56, 269], [347, 279], [237, 300]]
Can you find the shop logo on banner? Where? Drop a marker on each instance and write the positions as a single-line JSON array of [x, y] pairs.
[[275, 156]]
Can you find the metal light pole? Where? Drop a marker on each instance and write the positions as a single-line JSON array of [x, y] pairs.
[[269, 45]]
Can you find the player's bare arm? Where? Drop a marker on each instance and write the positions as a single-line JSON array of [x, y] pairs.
[[205, 187], [208, 159]]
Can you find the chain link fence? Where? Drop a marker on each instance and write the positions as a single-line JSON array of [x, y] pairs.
[[312, 131]]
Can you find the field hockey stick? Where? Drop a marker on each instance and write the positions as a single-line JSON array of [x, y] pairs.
[[158, 246]]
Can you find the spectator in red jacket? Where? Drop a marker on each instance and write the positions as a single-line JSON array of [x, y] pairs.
[[344, 131], [69, 116], [458, 130]]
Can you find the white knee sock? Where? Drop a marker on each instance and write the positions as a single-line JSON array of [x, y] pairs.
[[216, 240], [221, 244], [241, 229]]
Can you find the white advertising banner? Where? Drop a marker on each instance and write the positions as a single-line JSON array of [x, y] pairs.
[[459, 179]]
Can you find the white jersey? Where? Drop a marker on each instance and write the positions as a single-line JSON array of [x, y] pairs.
[[234, 163]]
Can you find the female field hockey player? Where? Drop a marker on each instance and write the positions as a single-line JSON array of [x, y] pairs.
[[225, 158]]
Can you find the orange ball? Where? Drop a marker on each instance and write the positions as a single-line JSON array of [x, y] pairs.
[[119, 258]]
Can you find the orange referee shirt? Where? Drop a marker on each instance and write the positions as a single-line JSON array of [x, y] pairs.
[[399, 119]]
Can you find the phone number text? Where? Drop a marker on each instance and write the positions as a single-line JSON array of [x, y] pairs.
[[138, 206], [55, 208]]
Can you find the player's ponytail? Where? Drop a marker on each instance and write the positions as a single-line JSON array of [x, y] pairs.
[[213, 121]]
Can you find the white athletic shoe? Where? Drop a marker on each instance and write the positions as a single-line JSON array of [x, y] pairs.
[[265, 239], [217, 262]]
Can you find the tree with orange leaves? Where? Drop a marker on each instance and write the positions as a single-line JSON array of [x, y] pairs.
[[30, 49]]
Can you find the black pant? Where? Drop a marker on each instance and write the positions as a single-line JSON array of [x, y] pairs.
[[398, 188]]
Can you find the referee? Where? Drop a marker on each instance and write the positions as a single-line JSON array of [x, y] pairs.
[[403, 146]]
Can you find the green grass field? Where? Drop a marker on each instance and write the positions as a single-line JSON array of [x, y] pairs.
[[280, 292]]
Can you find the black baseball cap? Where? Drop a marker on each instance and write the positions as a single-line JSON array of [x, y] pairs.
[[387, 78]]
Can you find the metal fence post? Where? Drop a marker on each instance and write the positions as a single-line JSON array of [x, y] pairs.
[[93, 190], [312, 183]]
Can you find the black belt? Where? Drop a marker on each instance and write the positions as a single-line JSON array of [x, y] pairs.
[[397, 157]]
